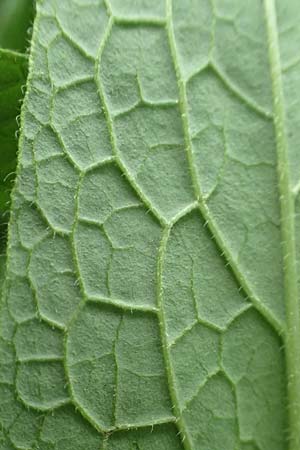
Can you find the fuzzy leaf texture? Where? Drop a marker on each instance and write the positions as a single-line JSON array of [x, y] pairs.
[[152, 293]]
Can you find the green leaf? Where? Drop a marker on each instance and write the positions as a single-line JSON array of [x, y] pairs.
[[151, 297], [15, 19], [13, 71], [2, 268]]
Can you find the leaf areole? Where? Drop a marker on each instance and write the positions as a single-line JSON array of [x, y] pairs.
[[151, 298]]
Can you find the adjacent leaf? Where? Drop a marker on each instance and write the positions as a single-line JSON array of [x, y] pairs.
[[2, 268], [152, 290], [13, 69], [15, 19]]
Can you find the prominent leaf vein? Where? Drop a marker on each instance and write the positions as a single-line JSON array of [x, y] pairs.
[[180, 422], [183, 104], [110, 125], [292, 340]]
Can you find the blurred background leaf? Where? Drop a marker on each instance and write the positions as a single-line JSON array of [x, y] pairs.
[[13, 71], [16, 17]]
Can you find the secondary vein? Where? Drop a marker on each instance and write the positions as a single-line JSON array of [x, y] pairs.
[[110, 125], [183, 104], [287, 207], [186, 440]]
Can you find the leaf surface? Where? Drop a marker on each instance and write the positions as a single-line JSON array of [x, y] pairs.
[[152, 289]]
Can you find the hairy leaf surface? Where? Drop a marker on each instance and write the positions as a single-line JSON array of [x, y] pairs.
[[152, 291]]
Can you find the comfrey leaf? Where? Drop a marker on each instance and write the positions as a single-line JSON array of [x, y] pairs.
[[151, 299]]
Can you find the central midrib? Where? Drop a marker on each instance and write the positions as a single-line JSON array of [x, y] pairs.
[[287, 207]]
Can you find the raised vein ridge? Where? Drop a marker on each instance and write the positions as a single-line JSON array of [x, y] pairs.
[[258, 305], [186, 440], [292, 338]]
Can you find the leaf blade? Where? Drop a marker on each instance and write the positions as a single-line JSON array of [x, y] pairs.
[[156, 248]]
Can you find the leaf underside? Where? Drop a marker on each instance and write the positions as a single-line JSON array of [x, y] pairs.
[[152, 287]]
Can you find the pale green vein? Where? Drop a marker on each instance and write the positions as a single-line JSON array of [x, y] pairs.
[[141, 425], [238, 93], [115, 397], [183, 104], [110, 125], [186, 440], [292, 347], [120, 304]]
